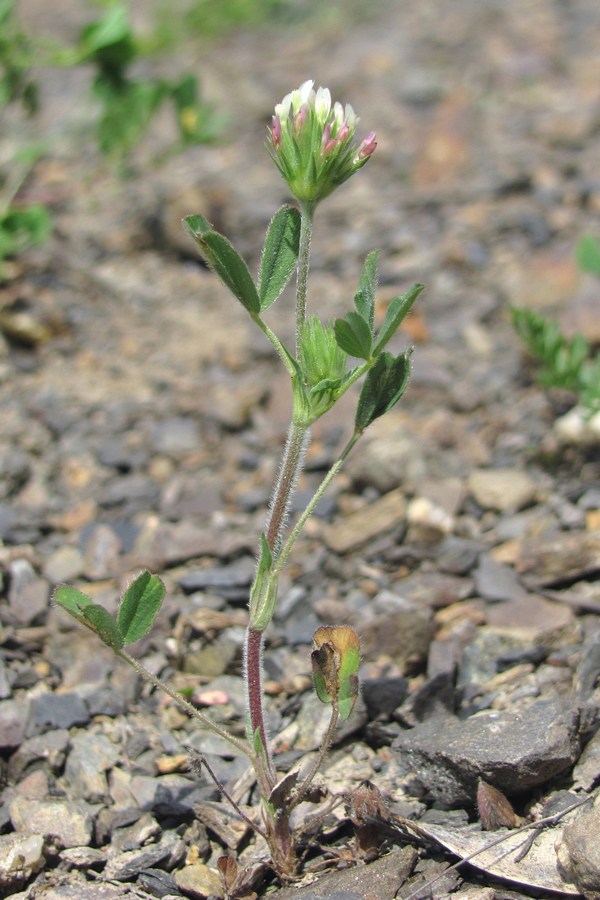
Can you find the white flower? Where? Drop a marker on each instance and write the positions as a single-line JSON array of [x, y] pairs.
[[322, 104]]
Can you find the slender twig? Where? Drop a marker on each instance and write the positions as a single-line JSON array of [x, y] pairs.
[[310, 507], [198, 760], [183, 704]]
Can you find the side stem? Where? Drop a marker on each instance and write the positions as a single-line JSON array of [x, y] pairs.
[[183, 704]]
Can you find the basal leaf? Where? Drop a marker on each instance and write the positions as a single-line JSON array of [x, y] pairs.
[[139, 607], [280, 254]]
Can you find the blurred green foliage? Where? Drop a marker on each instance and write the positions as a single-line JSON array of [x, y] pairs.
[[567, 363]]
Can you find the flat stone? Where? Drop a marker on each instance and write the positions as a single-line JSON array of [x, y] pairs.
[[69, 822], [362, 526], [49, 711], [512, 751], [379, 880], [587, 771], [83, 857], [231, 581], [504, 490]]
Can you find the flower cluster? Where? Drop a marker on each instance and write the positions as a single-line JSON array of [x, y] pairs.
[[312, 143]]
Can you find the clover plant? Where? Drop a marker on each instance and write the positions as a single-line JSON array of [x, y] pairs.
[[313, 144]]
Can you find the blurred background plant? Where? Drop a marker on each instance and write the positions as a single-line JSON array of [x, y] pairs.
[[565, 362], [128, 93]]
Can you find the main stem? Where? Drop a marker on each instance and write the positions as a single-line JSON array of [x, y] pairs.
[[291, 465]]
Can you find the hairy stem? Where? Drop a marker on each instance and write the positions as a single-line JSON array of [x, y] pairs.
[[263, 761], [306, 227]]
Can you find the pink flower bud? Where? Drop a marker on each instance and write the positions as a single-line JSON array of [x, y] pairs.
[[343, 133], [300, 118], [367, 148], [276, 131]]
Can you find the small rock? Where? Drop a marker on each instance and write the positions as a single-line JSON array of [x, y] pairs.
[[579, 852], [65, 564], [232, 582], [504, 490], [13, 714], [175, 437], [49, 711], [102, 553], [199, 882], [383, 695], [21, 856], [126, 865], [50, 747], [427, 522], [457, 556], [68, 821], [83, 857], [212, 660], [587, 771], [399, 629], [495, 581], [362, 526], [579, 428], [165, 795], [386, 462], [28, 594], [90, 757]]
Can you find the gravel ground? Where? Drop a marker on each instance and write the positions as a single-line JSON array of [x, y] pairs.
[[142, 421]]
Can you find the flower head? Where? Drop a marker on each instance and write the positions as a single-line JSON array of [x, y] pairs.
[[312, 142]]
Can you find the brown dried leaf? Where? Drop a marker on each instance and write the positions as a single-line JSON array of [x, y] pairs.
[[494, 808]]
